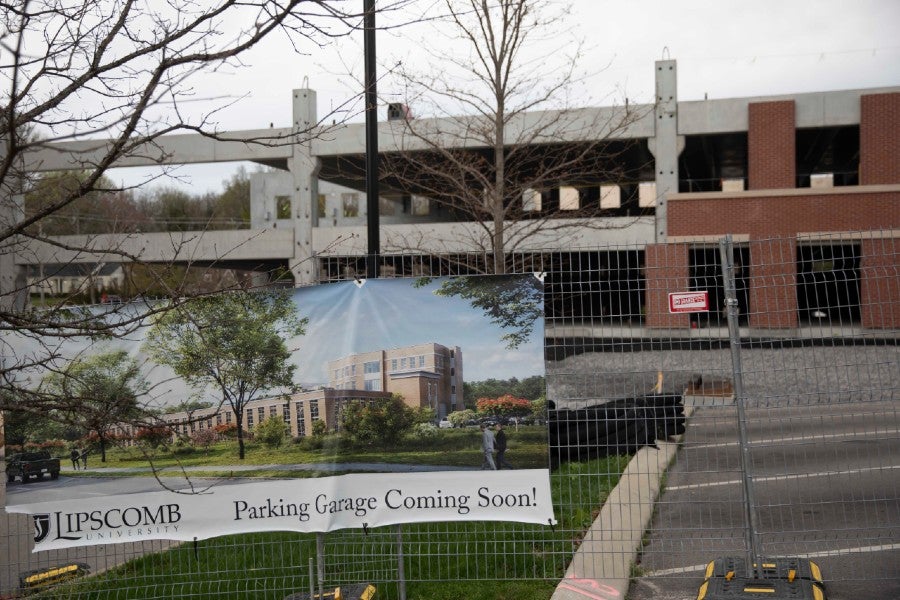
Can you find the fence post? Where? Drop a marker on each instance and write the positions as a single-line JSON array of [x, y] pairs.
[[726, 251], [401, 571], [320, 558]]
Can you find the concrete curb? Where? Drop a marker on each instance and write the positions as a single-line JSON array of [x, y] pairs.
[[601, 567]]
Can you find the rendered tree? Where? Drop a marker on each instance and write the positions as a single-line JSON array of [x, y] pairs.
[[511, 61], [99, 392], [378, 423], [233, 343]]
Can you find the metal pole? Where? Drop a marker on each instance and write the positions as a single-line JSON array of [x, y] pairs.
[[401, 571], [371, 99], [320, 559], [312, 579], [731, 304]]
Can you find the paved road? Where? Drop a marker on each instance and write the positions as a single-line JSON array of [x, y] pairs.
[[825, 481], [824, 424]]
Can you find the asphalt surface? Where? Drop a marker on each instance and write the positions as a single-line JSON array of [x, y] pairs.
[[823, 425]]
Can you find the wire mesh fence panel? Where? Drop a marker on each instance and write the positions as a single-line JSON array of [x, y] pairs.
[[650, 480], [818, 365]]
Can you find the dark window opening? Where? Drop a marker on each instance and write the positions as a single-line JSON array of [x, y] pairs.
[[828, 283], [828, 156], [705, 271], [710, 163], [588, 286]]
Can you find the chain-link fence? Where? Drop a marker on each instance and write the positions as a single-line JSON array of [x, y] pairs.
[[797, 355]]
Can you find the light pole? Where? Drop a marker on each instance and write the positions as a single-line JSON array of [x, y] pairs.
[[371, 100]]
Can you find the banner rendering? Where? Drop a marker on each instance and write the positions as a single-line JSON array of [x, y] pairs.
[[411, 400]]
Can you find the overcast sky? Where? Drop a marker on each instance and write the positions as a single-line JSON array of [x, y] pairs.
[[724, 48]]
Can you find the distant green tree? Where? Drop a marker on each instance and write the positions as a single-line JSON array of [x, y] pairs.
[[232, 342], [103, 209], [539, 409], [231, 209], [379, 423], [424, 414], [459, 418], [101, 391], [319, 429], [271, 431]]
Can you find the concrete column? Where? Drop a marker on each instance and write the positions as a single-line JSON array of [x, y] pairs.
[[304, 168], [666, 144]]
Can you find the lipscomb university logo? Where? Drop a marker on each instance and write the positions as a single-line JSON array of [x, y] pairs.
[[41, 526]]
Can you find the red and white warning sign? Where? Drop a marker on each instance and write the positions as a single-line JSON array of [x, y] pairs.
[[684, 302]]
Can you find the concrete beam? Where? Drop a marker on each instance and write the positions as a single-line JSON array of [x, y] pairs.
[[188, 246], [440, 238], [539, 127], [818, 109], [262, 145]]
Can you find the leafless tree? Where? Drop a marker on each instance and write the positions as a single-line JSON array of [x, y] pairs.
[[119, 74], [511, 69]]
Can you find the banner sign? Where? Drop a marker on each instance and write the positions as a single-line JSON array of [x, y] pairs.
[[302, 505]]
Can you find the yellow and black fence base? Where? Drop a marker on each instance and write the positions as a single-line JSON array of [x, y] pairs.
[[777, 579], [41, 579]]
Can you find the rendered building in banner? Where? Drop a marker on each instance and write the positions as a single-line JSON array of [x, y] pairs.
[[811, 169], [299, 411], [426, 375]]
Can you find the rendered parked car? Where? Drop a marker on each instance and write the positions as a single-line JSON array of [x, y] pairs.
[[28, 465]]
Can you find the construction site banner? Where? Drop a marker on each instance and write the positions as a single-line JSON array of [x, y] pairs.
[[312, 505], [413, 400]]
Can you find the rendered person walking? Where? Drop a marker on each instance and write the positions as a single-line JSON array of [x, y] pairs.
[[500, 438], [84, 459], [487, 446], [74, 455]]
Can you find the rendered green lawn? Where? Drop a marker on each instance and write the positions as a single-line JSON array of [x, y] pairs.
[[450, 448]]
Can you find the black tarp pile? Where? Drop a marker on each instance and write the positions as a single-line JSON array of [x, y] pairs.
[[616, 427]]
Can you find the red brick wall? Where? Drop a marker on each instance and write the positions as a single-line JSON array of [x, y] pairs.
[[773, 284], [665, 271], [879, 297], [771, 145], [879, 139], [787, 215]]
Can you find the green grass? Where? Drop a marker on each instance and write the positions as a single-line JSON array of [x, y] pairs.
[[449, 448], [443, 561]]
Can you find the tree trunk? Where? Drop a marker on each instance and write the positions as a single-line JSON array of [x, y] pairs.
[[498, 209], [239, 419]]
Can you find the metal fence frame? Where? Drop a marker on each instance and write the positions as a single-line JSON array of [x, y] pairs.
[[701, 495]]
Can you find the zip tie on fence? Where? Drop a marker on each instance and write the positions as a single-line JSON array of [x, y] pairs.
[[366, 528], [196, 550], [552, 526]]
